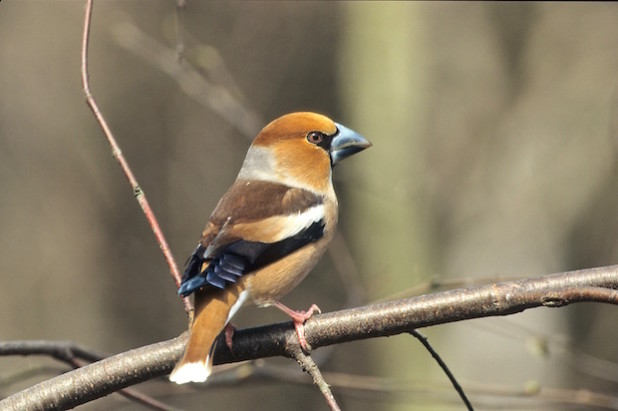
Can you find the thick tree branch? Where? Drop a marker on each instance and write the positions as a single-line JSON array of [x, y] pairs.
[[376, 320], [73, 354], [98, 379]]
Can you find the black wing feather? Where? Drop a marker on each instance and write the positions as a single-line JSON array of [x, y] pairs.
[[241, 257]]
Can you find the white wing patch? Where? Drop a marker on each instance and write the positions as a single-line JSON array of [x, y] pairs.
[[275, 228], [295, 223]]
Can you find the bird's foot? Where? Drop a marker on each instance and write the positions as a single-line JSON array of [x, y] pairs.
[[229, 331], [299, 318]]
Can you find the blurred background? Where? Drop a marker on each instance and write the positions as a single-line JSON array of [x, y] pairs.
[[495, 129]]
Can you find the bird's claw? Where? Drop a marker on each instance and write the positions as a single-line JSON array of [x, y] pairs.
[[299, 318], [229, 331]]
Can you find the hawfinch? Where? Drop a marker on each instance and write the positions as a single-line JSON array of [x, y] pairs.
[[267, 232]]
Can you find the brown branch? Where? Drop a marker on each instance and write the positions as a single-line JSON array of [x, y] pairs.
[[124, 165], [308, 365], [146, 400], [98, 379], [376, 320], [65, 351], [75, 354]]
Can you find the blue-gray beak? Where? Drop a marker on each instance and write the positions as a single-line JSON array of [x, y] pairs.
[[345, 143]]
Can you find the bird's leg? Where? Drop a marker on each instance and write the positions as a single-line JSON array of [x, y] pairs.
[[299, 318], [229, 334]]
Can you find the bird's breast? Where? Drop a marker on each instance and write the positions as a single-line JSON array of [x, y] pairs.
[[270, 283]]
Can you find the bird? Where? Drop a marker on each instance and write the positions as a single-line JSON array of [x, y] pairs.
[[266, 233]]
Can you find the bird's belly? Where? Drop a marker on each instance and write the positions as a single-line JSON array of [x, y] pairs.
[[272, 282]]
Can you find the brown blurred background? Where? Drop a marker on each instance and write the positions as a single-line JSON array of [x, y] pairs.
[[495, 135]]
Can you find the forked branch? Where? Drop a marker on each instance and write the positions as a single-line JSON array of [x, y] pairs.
[[376, 320]]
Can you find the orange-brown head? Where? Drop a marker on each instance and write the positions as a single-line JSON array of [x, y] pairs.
[[300, 149]]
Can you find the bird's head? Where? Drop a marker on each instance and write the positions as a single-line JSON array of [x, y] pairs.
[[300, 149]]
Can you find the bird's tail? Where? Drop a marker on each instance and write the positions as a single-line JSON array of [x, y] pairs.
[[213, 307]]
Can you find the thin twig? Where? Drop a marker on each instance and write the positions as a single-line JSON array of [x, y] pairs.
[[26, 372], [146, 400], [348, 272], [308, 365], [64, 351], [124, 165], [190, 81], [371, 387], [444, 367], [180, 42], [139, 195]]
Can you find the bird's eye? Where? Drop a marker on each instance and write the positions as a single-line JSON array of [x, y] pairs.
[[315, 137]]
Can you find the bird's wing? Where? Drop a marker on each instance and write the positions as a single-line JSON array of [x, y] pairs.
[[254, 224]]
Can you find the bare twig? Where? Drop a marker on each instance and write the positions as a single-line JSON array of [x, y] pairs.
[[580, 360], [444, 367], [377, 320], [180, 42], [124, 165], [65, 351], [347, 270], [26, 372], [217, 98], [307, 364], [146, 400], [141, 199], [367, 386]]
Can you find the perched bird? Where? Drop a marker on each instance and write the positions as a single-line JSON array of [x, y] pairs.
[[267, 232]]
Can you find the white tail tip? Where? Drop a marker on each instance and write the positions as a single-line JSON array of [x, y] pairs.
[[191, 372]]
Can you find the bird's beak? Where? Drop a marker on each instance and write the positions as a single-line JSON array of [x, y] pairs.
[[345, 143]]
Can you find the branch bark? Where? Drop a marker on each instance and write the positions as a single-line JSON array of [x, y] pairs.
[[376, 320]]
